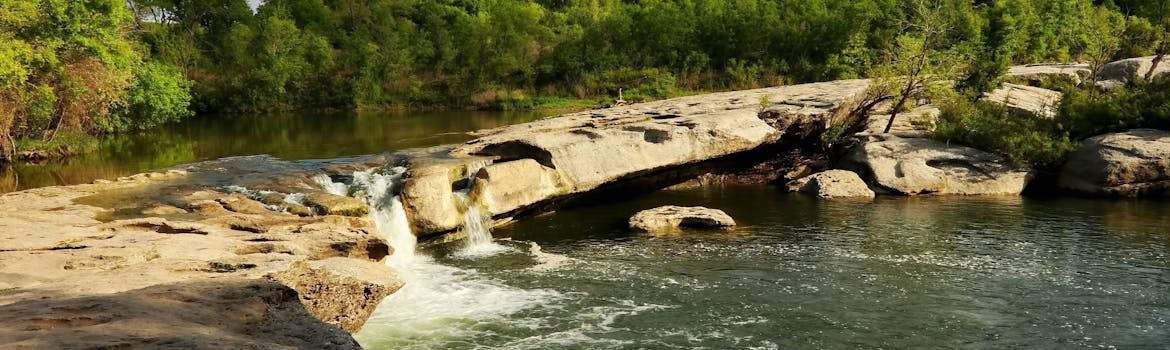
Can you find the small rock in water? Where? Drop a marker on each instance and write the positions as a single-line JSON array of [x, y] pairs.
[[832, 184], [673, 217]]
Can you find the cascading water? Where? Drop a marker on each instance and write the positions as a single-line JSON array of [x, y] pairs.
[[434, 296], [378, 187], [477, 224]]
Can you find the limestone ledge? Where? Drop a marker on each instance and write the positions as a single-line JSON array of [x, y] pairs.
[[209, 269]]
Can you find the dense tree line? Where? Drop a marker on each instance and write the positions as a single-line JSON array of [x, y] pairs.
[[293, 54], [113, 65]]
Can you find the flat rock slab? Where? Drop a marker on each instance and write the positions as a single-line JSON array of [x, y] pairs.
[[74, 276], [1037, 73], [674, 217], [832, 184], [1134, 163], [1026, 99], [580, 152]]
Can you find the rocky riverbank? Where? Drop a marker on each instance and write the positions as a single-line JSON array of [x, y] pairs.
[[258, 252], [175, 260]]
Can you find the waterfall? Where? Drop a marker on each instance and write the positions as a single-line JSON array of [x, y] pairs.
[[477, 224], [379, 189], [435, 296]]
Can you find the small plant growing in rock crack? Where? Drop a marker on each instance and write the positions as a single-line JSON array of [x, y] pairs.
[[224, 267]]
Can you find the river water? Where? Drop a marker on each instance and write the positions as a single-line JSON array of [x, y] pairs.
[[290, 137], [958, 272]]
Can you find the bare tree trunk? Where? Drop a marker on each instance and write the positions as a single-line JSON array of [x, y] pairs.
[[1154, 65], [910, 87], [894, 113]]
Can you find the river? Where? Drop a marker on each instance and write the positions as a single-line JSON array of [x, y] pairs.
[[958, 272], [290, 136], [935, 272]]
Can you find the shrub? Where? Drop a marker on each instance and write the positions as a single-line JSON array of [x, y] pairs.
[[993, 128], [1138, 105], [159, 95]]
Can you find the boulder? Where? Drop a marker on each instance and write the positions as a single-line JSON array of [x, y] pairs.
[[1130, 164], [429, 198], [331, 204], [915, 166], [674, 217], [504, 187], [832, 184], [342, 292], [1026, 99], [1120, 72]]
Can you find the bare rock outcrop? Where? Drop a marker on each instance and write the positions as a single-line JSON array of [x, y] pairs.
[[1119, 73], [580, 152], [832, 184], [917, 122], [671, 217], [1037, 73], [917, 166], [222, 313], [428, 192], [342, 292], [85, 267], [1134, 163], [508, 186], [1024, 99]]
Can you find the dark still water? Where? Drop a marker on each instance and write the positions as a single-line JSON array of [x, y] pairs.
[[958, 272], [290, 137]]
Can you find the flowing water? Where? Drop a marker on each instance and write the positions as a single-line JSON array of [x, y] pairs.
[[962, 272]]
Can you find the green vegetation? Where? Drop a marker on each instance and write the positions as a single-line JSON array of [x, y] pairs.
[[502, 54], [108, 66], [75, 67]]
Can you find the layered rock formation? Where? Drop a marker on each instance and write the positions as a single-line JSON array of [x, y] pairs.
[[1026, 100], [1128, 164], [175, 260], [1037, 73], [576, 153]]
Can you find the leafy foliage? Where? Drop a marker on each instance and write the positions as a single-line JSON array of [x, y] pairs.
[[74, 66]]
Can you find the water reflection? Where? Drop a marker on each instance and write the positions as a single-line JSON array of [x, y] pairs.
[[291, 137]]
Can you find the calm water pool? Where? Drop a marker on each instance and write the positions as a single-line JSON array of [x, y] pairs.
[[960, 272]]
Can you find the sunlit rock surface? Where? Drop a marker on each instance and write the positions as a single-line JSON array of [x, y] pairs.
[[671, 218], [581, 152], [917, 166], [1134, 163], [832, 184], [182, 260], [1038, 73], [1120, 72], [1026, 99]]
